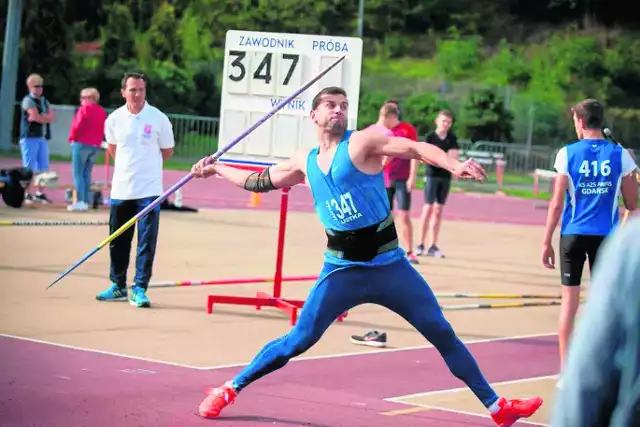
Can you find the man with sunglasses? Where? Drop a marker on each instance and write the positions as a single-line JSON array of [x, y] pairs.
[[35, 130]]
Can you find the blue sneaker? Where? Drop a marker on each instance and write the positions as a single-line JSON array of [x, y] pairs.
[[139, 297], [114, 293]]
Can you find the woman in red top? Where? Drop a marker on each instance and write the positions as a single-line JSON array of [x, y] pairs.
[[86, 136]]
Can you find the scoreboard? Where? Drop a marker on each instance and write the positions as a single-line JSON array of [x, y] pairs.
[[262, 69]]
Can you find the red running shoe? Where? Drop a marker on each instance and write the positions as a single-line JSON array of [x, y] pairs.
[[217, 400], [512, 410]]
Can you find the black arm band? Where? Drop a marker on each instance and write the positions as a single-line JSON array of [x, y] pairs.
[[259, 182]]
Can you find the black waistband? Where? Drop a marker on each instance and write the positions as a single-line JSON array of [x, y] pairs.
[[363, 244]]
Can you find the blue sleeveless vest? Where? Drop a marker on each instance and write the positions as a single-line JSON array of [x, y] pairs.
[[346, 198], [595, 176]]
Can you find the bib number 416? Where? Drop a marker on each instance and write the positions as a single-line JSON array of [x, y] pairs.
[[595, 167]]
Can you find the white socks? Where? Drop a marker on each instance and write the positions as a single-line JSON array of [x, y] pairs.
[[494, 407]]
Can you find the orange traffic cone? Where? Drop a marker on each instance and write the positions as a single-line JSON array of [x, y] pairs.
[[255, 200]]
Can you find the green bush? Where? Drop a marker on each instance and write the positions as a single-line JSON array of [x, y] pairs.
[[421, 110], [458, 57], [485, 118]]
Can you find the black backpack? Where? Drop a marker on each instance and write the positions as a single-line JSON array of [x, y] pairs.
[[14, 183]]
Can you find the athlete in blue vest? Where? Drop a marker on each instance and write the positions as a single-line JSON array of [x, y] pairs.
[[592, 172], [363, 262]]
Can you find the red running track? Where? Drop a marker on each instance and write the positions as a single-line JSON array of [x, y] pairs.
[[55, 386], [215, 193]]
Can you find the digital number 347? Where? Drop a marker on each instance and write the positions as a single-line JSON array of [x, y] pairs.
[[263, 72]]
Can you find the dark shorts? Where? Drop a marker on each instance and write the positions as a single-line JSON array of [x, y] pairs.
[[574, 250], [398, 189], [436, 190]]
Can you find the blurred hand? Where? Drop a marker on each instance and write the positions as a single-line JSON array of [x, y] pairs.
[[202, 170], [470, 169], [411, 184], [548, 256]]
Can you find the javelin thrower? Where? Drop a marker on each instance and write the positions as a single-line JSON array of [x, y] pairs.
[[363, 262]]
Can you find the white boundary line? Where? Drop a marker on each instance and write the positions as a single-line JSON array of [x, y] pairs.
[[297, 359], [392, 350], [401, 399], [487, 416], [108, 353], [398, 399]]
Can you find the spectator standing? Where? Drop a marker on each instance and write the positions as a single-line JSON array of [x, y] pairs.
[[35, 130], [140, 138], [86, 136], [400, 174], [437, 185]]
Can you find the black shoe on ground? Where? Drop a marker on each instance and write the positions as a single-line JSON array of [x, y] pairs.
[[41, 198], [371, 339]]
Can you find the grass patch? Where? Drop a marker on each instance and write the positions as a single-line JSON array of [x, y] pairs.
[[401, 67]]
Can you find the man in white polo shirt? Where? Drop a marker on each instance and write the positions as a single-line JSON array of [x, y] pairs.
[[140, 139]]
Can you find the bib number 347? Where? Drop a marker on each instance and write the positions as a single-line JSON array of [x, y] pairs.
[[343, 209]]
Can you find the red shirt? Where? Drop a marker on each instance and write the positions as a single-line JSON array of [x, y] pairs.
[[400, 169], [87, 126]]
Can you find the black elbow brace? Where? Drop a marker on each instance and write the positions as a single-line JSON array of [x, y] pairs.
[[259, 182]]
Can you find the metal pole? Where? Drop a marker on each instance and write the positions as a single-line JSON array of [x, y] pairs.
[[360, 17], [530, 134], [9, 73]]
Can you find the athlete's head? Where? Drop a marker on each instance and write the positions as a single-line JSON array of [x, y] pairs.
[[588, 115], [396, 104], [329, 110], [389, 116], [443, 121]]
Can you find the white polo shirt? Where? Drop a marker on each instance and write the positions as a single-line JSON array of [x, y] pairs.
[[138, 138]]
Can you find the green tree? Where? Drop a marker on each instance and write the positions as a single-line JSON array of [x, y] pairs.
[[118, 35], [384, 17], [622, 62], [195, 40], [458, 57], [47, 49], [421, 110], [485, 118], [507, 67], [161, 35]]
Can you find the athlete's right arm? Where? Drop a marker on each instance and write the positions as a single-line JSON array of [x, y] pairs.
[[380, 145], [281, 175], [629, 186], [629, 190]]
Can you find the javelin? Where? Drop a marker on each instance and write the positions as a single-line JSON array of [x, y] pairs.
[[35, 222], [187, 178], [608, 134]]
